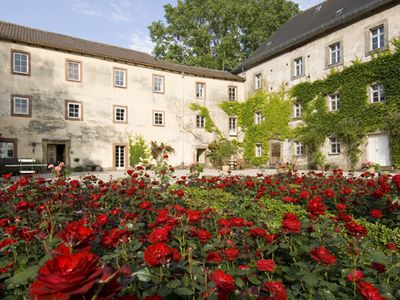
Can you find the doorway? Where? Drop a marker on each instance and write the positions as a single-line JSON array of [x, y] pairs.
[[378, 149], [275, 153], [119, 157], [201, 155], [55, 153]]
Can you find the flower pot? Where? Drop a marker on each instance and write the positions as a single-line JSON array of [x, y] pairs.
[[225, 168]]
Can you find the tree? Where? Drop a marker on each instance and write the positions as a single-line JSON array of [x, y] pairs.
[[217, 34]]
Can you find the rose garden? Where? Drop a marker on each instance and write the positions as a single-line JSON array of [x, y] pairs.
[[291, 235]]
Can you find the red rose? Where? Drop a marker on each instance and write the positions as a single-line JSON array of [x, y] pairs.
[[368, 291], [158, 235], [322, 255], [214, 257], [291, 223], [316, 207], [180, 193], [376, 213], [237, 222], [66, 275], [356, 229], [266, 265], [391, 246], [194, 216], [304, 195], [341, 207], [7, 176], [145, 205], [165, 156], [223, 281], [231, 253], [277, 289], [257, 232], [115, 236], [355, 275], [157, 254], [102, 219], [203, 235], [76, 234]]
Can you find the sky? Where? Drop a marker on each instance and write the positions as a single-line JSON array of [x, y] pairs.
[[116, 22]]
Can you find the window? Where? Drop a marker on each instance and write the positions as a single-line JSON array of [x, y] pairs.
[[158, 84], [120, 77], [73, 70], [21, 106], [299, 150], [297, 110], [335, 54], [20, 62], [257, 81], [335, 146], [334, 102], [298, 67], [259, 149], [200, 121], [377, 93], [119, 156], [74, 110], [120, 114], [8, 148], [158, 118], [258, 117], [232, 93], [232, 126], [200, 90], [377, 35]]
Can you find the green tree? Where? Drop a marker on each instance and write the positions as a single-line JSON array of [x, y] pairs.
[[217, 34]]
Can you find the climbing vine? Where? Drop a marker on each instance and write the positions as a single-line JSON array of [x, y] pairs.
[[275, 111], [209, 123], [357, 116]]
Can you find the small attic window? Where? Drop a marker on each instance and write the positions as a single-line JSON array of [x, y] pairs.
[[339, 11], [268, 44], [318, 8]]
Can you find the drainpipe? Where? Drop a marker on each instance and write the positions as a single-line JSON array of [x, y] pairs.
[[182, 120]]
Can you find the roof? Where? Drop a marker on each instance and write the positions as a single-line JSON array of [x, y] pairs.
[[34, 37], [311, 24]]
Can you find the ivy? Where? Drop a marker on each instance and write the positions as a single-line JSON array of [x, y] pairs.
[[357, 116], [276, 111], [209, 123]]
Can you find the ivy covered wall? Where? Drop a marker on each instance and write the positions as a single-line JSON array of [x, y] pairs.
[[357, 116], [276, 111]]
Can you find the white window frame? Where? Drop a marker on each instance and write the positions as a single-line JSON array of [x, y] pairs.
[[27, 62], [258, 117], [232, 126], [68, 110], [6, 146], [118, 79], [297, 110], [70, 65], [335, 55], [200, 90], [258, 150], [298, 67], [118, 109], [232, 93], [377, 33], [257, 81], [15, 112], [334, 102], [158, 84], [200, 121], [158, 118], [377, 92], [334, 146], [299, 149]]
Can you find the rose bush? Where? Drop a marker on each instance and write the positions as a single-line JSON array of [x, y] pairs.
[[287, 236]]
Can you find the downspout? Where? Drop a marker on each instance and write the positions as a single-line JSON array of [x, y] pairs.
[[182, 120]]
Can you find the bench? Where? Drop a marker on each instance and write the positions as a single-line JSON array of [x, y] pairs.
[[26, 165]]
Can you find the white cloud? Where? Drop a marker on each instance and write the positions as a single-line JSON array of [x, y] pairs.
[[304, 4], [140, 42], [115, 10]]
